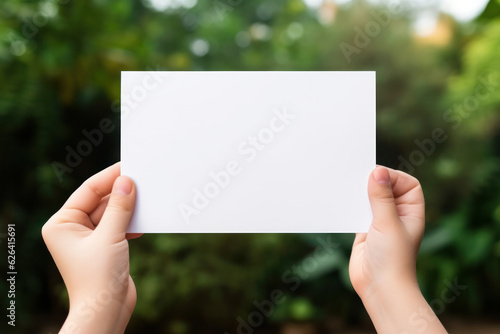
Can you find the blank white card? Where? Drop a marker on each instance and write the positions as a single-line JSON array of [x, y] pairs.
[[224, 152]]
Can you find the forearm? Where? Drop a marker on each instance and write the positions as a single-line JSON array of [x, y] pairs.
[[401, 309]]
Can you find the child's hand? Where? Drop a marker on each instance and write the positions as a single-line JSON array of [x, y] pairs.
[[382, 265], [88, 241], [387, 254]]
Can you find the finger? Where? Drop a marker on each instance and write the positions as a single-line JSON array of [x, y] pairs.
[[64, 226], [118, 212], [131, 236], [88, 196], [359, 238], [401, 182], [381, 197], [408, 194], [96, 215]]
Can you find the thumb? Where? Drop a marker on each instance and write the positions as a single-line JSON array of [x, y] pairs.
[[119, 210], [381, 198]]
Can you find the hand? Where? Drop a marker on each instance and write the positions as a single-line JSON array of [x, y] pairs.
[[88, 241], [388, 252], [382, 267]]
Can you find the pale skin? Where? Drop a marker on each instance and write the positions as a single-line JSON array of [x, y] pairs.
[[88, 241], [382, 266]]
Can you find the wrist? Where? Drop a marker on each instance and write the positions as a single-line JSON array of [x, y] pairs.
[[90, 316], [400, 307], [387, 289]]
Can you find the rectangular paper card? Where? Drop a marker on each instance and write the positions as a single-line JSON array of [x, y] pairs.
[[238, 152]]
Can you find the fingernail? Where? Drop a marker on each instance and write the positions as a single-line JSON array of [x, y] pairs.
[[381, 175], [122, 186]]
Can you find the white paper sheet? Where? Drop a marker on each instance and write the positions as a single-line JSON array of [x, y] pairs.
[[227, 152]]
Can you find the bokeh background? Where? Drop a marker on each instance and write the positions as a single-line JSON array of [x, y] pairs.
[[437, 64]]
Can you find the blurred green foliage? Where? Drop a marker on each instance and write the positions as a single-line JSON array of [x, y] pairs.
[[60, 74]]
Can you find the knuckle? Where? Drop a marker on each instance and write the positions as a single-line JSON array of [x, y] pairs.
[[46, 231], [415, 182], [411, 181], [385, 199], [384, 195], [119, 206], [88, 184]]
